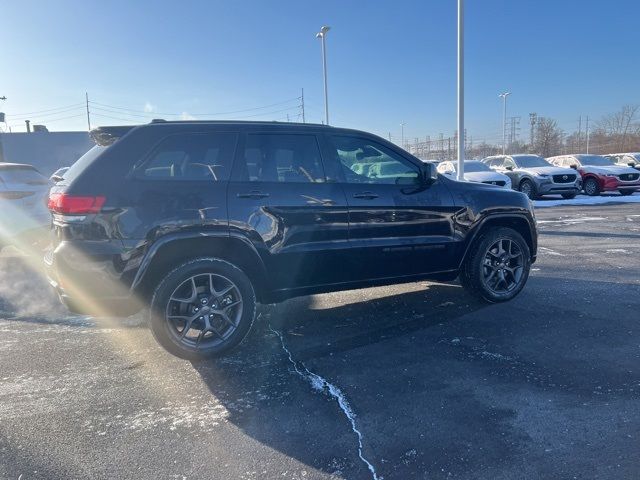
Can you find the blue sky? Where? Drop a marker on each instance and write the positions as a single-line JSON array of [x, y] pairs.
[[388, 62]]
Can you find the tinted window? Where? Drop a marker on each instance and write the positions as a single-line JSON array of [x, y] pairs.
[[195, 156], [83, 162], [282, 158], [364, 161]]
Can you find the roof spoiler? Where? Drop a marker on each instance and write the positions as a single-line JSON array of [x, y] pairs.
[[105, 136]]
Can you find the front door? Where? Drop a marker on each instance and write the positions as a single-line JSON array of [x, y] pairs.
[[398, 226]]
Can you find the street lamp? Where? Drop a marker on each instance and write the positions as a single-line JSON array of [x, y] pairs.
[[321, 34], [504, 121], [461, 90]]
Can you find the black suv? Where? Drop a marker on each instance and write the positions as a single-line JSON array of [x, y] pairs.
[[202, 220]]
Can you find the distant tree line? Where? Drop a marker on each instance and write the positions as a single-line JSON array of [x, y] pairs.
[[613, 133]]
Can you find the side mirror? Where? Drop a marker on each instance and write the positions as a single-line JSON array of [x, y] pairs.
[[574, 166], [631, 164], [510, 168], [429, 173]]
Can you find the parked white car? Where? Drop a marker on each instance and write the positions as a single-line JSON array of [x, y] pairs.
[[475, 171], [24, 216], [626, 159]]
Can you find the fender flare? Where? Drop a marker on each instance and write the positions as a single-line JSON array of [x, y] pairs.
[[167, 239], [507, 215]]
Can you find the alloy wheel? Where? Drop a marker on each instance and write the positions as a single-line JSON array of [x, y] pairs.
[[204, 310], [503, 266]]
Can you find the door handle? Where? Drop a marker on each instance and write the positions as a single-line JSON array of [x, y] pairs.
[[365, 195], [255, 194]]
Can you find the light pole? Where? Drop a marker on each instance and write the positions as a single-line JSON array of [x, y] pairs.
[[504, 120], [321, 34], [461, 90]]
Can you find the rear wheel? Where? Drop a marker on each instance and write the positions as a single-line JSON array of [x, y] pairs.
[[591, 187], [626, 192], [529, 189], [568, 196], [497, 267], [202, 309]]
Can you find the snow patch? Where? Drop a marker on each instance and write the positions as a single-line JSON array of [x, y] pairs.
[[548, 251], [322, 385], [585, 200]]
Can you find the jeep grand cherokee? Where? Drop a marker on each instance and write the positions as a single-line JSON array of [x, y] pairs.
[[199, 221]]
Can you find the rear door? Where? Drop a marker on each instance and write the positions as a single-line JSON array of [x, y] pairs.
[[397, 226], [279, 196]]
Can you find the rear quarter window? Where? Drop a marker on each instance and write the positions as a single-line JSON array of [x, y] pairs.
[[83, 163], [191, 157]]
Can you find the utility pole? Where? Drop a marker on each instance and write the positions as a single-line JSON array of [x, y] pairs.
[[579, 133], [504, 121], [28, 123], [533, 120], [302, 98], [321, 35], [86, 96], [402, 135], [587, 126], [389, 136], [461, 129]]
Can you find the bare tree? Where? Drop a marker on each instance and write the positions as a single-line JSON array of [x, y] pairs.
[[548, 139], [621, 125]]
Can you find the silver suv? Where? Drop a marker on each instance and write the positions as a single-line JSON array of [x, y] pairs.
[[535, 177]]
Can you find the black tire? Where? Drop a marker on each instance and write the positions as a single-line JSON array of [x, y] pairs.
[[473, 276], [170, 336], [528, 188], [591, 187], [626, 192], [569, 196]]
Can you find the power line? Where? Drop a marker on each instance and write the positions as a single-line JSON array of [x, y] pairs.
[[296, 99], [39, 112]]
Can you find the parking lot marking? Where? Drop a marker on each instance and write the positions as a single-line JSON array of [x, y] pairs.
[[321, 384]]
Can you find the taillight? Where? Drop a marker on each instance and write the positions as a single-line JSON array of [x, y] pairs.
[[73, 205]]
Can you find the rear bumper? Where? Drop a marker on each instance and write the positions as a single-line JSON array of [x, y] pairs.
[[86, 283]]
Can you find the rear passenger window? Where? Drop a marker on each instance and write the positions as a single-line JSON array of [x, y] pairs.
[[281, 158], [193, 156]]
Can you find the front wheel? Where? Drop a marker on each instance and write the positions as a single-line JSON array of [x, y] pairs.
[[497, 267], [569, 196], [626, 192], [202, 309], [529, 189], [591, 187]]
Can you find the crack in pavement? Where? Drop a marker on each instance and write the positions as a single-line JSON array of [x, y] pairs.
[[319, 383]]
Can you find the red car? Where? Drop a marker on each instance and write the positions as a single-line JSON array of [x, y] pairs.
[[600, 174]]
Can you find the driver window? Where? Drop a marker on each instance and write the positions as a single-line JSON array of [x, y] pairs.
[[364, 161]]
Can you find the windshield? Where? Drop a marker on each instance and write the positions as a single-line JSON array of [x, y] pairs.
[[83, 162], [24, 175], [476, 167], [595, 160], [531, 161]]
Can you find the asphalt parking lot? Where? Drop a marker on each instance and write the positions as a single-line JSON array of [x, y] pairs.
[[410, 381]]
